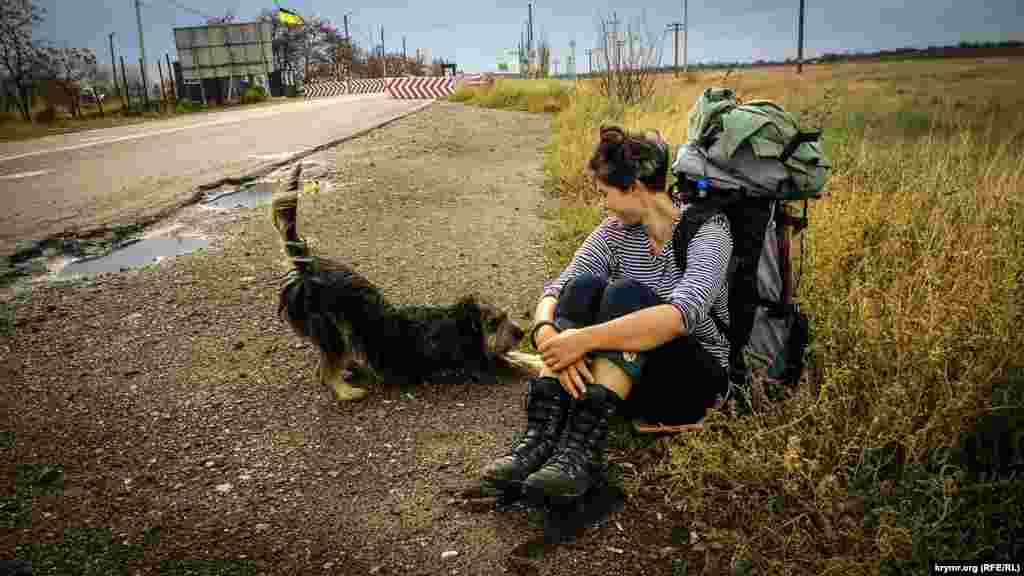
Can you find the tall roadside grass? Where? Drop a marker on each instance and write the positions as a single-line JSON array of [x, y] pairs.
[[914, 278], [526, 95]]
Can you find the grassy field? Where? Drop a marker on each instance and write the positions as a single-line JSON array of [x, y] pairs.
[[529, 96], [914, 277]]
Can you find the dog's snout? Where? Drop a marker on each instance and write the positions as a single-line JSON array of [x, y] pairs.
[[517, 332]]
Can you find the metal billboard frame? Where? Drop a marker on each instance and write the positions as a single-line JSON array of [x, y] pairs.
[[225, 50]]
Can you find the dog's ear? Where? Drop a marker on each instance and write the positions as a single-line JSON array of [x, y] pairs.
[[470, 299], [470, 316]]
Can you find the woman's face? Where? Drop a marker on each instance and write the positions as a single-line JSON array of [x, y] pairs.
[[623, 205]]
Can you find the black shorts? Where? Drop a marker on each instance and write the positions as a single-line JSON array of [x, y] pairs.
[[676, 382]]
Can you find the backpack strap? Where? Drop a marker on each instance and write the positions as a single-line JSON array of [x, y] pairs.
[[748, 220], [749, 223], [696, 214]]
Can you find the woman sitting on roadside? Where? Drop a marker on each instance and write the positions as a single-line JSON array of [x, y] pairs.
[[621, 329]]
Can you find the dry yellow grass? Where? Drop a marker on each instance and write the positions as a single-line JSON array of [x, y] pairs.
[[913, 276], [526, 95]]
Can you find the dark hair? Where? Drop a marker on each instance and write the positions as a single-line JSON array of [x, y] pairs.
[[622, 158]]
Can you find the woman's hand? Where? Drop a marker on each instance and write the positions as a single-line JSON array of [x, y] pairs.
[[564, 349], [575, 379]]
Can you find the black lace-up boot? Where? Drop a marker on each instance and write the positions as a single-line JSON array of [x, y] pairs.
[[547, 407], [578, 464]]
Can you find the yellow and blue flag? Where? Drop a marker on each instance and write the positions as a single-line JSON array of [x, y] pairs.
[[289, 18]]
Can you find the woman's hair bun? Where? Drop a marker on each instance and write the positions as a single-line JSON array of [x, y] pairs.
[[612, 134]]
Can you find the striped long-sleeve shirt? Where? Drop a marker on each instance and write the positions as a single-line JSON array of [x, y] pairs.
[[614, 251]]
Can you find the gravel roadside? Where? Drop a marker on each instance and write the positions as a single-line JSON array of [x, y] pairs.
[[183, 415]]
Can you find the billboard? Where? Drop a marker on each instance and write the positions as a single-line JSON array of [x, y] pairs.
[[225, 50]]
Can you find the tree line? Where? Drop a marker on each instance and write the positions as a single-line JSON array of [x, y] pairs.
[[319, 50], [27, 63]]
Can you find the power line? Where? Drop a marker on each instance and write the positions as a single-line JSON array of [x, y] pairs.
[[182, 7]]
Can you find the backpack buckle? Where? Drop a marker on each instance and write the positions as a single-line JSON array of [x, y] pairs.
[[800, 138], [797, 222]]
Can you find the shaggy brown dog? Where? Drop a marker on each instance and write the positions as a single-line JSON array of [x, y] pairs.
[[351, 323]]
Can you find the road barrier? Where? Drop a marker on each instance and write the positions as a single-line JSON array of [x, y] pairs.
[[325, 88], [371, 86], [412, 87], [421, 88]]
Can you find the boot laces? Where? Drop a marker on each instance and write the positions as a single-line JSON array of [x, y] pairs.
[[542, 418], [583, 435]]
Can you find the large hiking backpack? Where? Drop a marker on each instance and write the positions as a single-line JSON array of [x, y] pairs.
[[750, 162]]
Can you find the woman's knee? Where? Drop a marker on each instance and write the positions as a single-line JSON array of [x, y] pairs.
[[625, 296], [579, 301]]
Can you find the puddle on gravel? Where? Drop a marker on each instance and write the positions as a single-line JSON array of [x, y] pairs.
[[256, 194], [248, 196], [136, 254]]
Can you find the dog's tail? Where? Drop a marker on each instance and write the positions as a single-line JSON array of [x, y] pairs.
[[305, 300], [284, 207]]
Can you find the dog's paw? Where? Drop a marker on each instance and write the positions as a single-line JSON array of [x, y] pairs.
[[345, 392], [488, 378]]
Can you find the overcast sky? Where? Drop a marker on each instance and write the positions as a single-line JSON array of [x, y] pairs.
[[474, 33]]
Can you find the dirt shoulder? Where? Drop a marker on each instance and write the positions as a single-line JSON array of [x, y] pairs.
[[164, 421]]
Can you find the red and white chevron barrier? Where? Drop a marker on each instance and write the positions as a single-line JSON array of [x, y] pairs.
[[421, 88], [371, 86], [325, 88]]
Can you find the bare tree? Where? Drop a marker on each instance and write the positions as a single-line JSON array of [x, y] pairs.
[[288, 42], [629, 60], [329, 51], [18, 53], [97, 77], [543, 56], [68, 68]]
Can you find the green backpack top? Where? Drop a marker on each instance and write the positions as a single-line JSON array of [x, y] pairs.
[[756, 146], [749, 162]]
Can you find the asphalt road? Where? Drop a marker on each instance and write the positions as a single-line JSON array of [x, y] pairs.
[[116, 176]]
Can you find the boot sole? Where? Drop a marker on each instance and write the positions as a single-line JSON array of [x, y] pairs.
[[536, 496], [506, 489]]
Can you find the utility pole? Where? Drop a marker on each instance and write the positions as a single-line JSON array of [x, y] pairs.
[[529, 37], [519, 54], [171, 76], [570, 68], [686, 33], [800, 42], [113, 67], [142, 52], [615, 56], [628, 40], [524, 53], [676, 27], [383, 62], [590, 60], [163, 92], [349, 52], [124, 79]]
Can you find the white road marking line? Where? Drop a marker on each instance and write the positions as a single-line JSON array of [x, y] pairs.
[[21, 175], [278, 156], [235, 120]]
